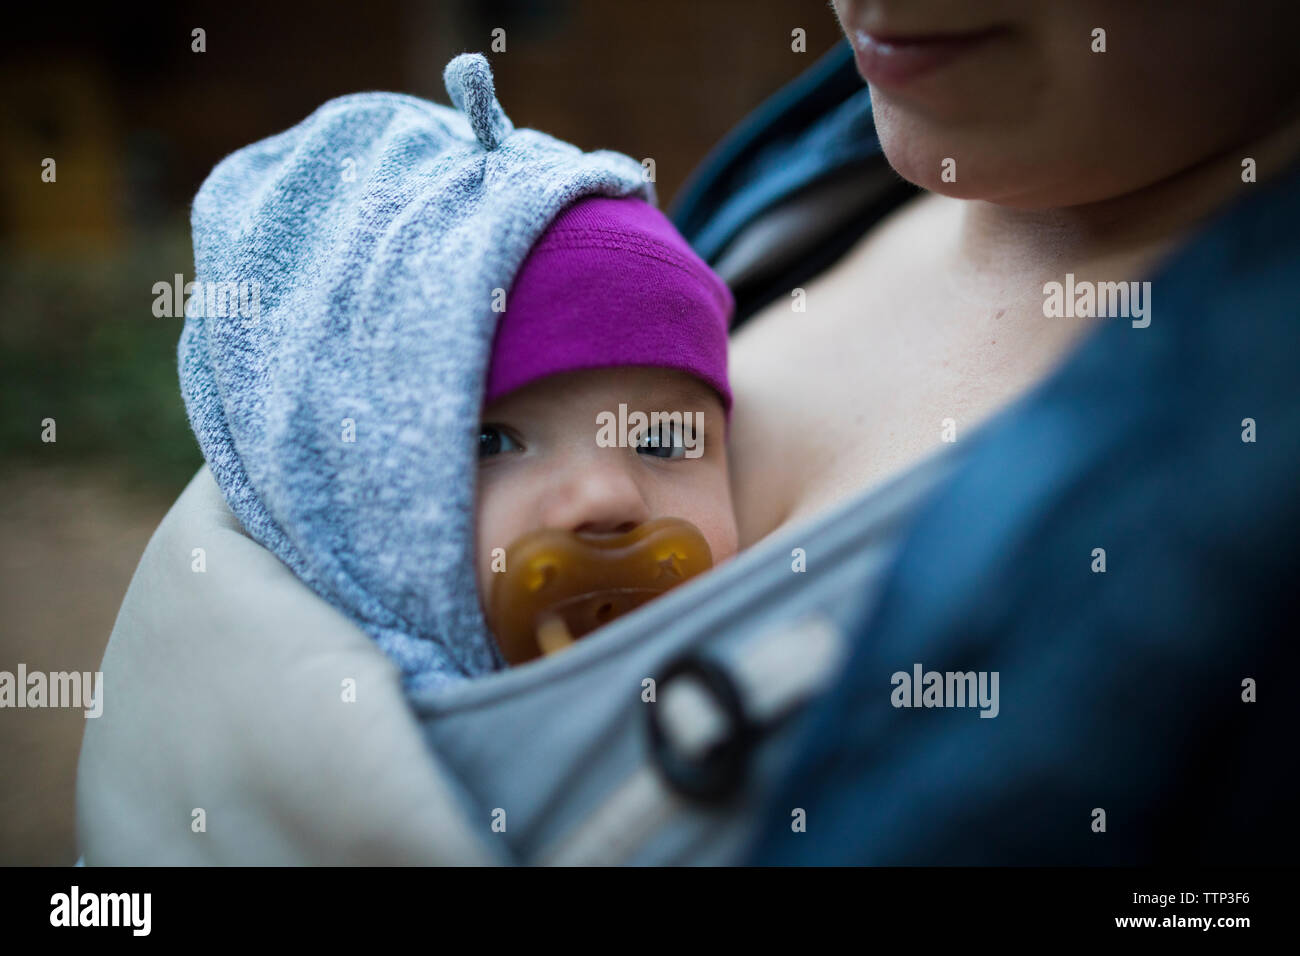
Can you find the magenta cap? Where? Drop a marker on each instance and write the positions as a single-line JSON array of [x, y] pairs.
[[612, 283]]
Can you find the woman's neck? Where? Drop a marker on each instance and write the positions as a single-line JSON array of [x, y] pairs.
[[1132, 230]]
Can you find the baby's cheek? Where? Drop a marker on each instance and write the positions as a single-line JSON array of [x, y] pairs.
[[722, 535], [710, 509], [486, 537], [501, 516]]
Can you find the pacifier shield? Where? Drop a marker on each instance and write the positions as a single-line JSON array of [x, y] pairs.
[[559, 586]]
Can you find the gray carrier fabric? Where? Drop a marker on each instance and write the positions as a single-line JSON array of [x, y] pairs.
[[557, 754]]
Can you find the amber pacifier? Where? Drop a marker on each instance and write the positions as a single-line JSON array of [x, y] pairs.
[[559, 586]]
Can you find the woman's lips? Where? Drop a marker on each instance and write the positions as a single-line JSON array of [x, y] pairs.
[[894, 60]]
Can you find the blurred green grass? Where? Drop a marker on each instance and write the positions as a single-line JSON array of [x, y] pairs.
[[79, 343]]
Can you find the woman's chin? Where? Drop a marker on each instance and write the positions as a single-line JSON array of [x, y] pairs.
[[1002, 182], [940, 174], [974, 163]]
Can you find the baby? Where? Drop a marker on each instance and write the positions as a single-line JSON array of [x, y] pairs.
[[611, 320], [423, 270]]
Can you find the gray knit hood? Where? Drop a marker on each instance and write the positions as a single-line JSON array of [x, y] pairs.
[[333, 356]]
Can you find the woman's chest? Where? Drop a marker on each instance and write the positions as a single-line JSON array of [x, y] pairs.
[[867, 370]]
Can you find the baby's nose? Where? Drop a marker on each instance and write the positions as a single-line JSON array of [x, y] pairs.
[[598, 499]]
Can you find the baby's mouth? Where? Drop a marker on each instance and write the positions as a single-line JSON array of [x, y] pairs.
[[559, 586]]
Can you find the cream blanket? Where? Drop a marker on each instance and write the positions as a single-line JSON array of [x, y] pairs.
[[226, 737]]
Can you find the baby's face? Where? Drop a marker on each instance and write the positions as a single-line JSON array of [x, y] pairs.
[[545, 462]]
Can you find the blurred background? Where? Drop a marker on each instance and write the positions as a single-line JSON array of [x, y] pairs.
[[134, 120]]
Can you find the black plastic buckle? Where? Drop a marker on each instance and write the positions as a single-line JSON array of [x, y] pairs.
[[717, 775]]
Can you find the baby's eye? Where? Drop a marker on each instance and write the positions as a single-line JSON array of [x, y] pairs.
[[664, 443], [494, 440]]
